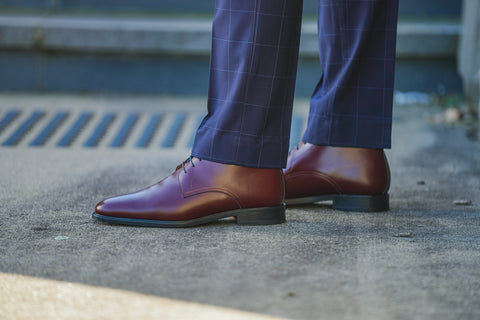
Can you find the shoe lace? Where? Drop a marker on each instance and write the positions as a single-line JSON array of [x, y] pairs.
[[189, 160]]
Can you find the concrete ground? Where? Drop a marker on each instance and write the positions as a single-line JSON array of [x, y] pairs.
[[420, 260]]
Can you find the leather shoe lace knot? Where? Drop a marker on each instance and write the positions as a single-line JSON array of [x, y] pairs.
[[189, 160]]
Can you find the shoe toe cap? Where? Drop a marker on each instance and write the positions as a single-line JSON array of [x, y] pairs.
[[111, 206], [100, 207]]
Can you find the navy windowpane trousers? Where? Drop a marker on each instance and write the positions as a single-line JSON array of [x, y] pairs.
[[252, 79]]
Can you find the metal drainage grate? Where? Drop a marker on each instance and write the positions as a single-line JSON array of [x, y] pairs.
[[89, 129]]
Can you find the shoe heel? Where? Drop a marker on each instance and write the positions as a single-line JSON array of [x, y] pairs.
[[374, 203], [262, 216]]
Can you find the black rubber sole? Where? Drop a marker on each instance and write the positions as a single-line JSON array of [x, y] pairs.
[[253, 216], [373, 203]]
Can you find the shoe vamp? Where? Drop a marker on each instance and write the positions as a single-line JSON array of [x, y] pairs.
[[164, 201]]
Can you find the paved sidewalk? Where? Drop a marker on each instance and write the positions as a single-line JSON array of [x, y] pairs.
[[33, 298], [418, 261]]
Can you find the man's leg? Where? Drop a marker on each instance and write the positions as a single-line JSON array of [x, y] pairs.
[[352, 104], [242, 144], [350, 118], [252, 81]]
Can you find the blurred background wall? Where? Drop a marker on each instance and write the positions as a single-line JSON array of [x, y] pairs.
[[162, 47]]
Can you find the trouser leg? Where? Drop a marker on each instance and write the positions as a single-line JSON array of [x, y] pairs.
[[352, 103], [252, 79]]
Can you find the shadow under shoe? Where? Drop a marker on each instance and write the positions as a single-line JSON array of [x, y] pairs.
[[354, 179]]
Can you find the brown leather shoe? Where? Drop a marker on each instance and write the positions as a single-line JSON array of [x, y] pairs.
[[199, 192], [355, 179]]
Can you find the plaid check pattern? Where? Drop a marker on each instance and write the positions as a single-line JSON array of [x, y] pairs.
[[252, 79], [352, 103]]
